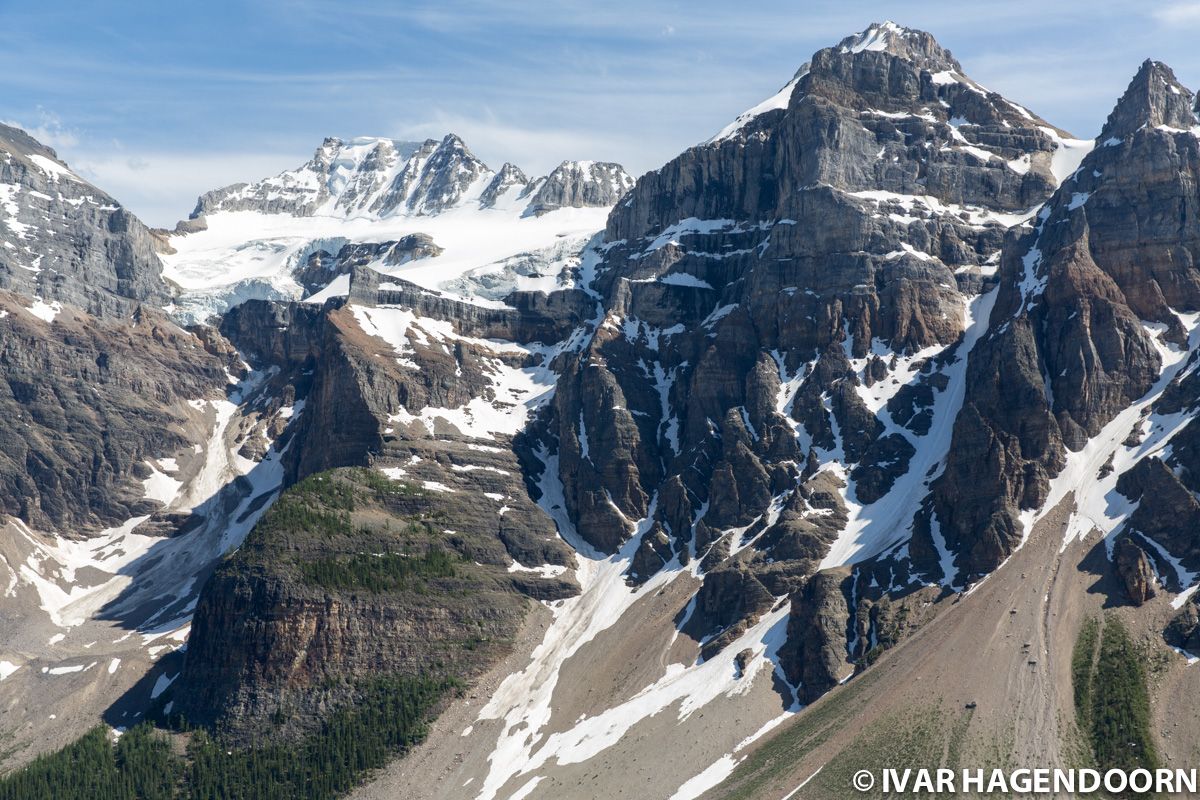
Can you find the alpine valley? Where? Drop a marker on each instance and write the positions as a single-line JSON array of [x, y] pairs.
[[864, 433]]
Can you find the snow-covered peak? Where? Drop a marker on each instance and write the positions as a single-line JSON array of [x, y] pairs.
[[510, 175], [878, 36], [917, 47], [897, 40], [376, 178], [430, 212], [363, 176], [580, 184]]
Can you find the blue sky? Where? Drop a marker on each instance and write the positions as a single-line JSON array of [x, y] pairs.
[[157, 102]]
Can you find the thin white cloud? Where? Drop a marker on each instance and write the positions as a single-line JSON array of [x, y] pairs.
[[49, 130], [161, 188], [1178, 14], [535, 149]]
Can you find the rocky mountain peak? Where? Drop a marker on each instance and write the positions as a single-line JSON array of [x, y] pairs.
[[580, 184], [907, 43], [509, 175], [894, 74], [1154, 98]]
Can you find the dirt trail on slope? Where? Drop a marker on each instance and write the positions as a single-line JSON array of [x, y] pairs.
[[1006, 647]]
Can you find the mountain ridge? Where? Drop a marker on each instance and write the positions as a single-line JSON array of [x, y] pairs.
[[889, 376]]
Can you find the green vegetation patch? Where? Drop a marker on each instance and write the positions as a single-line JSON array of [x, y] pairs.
[[140, 766], [383, 572], [390, 717], [323, 503], [1111, 699]]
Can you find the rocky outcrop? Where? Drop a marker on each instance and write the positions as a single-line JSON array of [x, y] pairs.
[[287, 629], [64, 240], [1135, 571], [579, 184], [509, 177], [359, 393], [1183, 631], [446, 172], [322, 267], [814, 659], [527, 316]]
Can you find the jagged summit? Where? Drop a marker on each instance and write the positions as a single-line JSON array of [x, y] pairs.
[[378, 177], [890, 70], [509, 175], [387, 202], [908, 43], [1154, 98]]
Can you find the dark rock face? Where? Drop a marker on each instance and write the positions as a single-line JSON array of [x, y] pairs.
[[1133, 567], [763, 297], [528, 317], [64, 240], [1153, 98], [322, 266], [1183, 631], [815, 658], [276, 645], [88, 401], [579, 184], [1067, 348]]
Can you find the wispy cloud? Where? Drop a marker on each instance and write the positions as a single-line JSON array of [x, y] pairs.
[[536, 149], [1178, 14], [162, 187], [47, 129]]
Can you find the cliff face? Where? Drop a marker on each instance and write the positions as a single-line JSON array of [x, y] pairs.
[[93, 377], [66, 241], [351, 575], [782, 324], [89, 401], [1088, 303], [408, 394]]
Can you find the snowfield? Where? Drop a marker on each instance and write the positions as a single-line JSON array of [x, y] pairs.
[[259, 236], [249, 253]]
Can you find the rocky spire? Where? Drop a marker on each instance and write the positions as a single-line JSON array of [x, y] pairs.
[[509, 175], [1154, 98]]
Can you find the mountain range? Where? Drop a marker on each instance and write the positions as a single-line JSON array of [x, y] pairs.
[[858, 435]]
